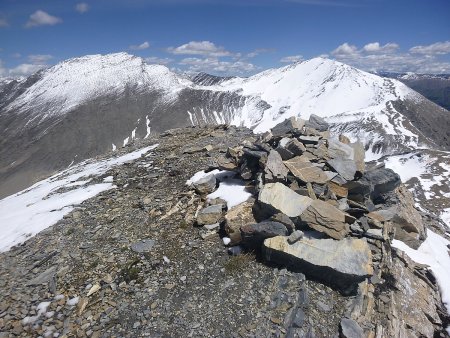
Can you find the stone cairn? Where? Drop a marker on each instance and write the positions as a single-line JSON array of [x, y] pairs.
[[316, 208]]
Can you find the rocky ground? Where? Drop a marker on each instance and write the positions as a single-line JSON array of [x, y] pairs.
[[135, 262]]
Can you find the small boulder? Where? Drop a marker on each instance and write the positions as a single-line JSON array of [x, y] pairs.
[[253, 235], [338, 149], [205, 185], [292, 125], [210, 215], [317, 123], [344, 167], [324, 217], [295, 147], [309, 139], [381, 181], [275, 170], [237, 217], [283, 219]]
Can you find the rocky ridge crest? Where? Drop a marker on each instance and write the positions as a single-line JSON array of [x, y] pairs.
[[147, 258]]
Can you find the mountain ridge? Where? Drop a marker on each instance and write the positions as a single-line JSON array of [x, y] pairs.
[[85, 106]]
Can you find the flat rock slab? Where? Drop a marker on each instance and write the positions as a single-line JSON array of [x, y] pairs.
[[339, 264], [324, 217], [276, 197], [306, 171], [144, 245]]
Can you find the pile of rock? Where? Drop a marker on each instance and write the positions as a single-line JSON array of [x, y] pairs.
[[315, 209]]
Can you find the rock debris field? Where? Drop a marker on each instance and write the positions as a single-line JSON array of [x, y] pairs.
[[218, 232]]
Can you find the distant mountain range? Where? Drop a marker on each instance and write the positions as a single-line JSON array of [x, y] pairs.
[[87, 106], [435, 88]]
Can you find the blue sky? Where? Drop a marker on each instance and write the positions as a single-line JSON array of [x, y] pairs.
[[228, 37]]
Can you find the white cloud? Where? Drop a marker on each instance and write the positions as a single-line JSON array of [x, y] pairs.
[[40, 18], [82, 7], [292, 59], [25, 69], [142, 46], [374, 57], [259, 51], [217, 66], [3, 22], [205, 48], [375, 47], [345, 49], [159, 61], [435, 48], [39, 59]]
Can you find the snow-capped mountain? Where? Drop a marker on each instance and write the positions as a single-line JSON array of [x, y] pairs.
[[89, 105]]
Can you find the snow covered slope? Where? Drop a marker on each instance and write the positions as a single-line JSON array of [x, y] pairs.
[[357, 103], [320, 86], [30, 211], [89, 105], [76, 81]]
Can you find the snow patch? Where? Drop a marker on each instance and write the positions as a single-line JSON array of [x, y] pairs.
[[434, 253], [407, 166], [147, 124], [43, 204], [232, 191]]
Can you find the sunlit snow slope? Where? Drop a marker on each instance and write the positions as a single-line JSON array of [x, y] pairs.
[[89, 105]]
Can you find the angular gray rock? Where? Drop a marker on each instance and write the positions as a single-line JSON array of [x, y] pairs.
[[295, 147], [292, 125], [381, 181], [276, 197], [275, 170], [309, 139], [344, 167], [317, 123], [253, 235], [209, 215], [340, 264], [324, 217], [283, 219], [350, 329], [339, 149], [207, 184]]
